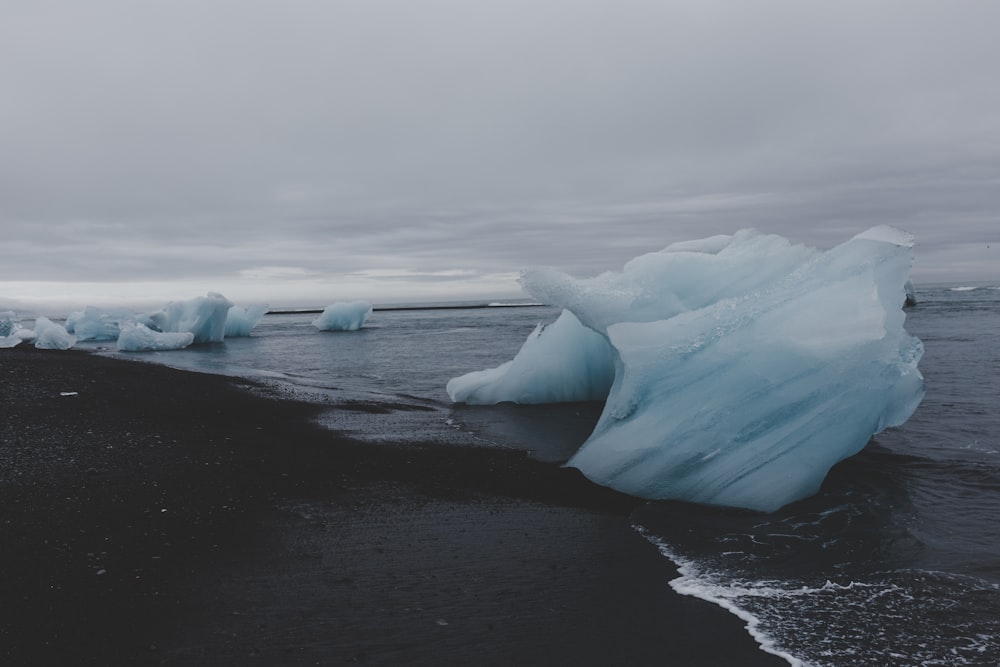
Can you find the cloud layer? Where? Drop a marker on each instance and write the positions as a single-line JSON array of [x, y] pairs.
[[402, 150]]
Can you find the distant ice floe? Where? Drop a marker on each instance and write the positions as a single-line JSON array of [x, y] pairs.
[[343, 316], [745, 366], [204, 319]]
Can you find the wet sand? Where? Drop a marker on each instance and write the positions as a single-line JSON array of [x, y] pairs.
[[160, 517]]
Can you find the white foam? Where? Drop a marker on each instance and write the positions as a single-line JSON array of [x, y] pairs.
[[695, 583]]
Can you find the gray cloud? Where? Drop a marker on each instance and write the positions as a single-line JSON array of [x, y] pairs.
[[217, 141]]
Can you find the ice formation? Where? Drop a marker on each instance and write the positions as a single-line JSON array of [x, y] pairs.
[[745, 366], [203, 316], [564, 361], [137, 337], [343, 316], [9, 325], [241, 321], [52, 336], [93, 323]]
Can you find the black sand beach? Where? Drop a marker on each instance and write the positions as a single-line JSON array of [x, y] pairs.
[[159, 517]]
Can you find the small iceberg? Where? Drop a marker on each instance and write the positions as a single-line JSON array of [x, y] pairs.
[[343, 316]]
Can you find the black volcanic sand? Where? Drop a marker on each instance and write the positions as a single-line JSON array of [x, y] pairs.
[[159, 517]]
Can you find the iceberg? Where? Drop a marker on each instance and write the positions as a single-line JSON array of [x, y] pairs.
[[745, 366], [93, 323], [51, 336], [343, 316], [241, 321], [562, 362], [204, 317], [9, 323], [9, 326], [137, 337]]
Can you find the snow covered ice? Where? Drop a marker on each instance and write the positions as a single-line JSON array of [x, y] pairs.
[[343, 316], [745, 366]]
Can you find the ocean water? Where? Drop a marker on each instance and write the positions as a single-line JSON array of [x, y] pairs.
[[895, 562]]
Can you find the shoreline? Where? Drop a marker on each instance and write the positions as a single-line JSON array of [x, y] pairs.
[[160, 516]]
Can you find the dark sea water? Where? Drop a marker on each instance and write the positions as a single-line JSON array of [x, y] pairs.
[[895, 562]]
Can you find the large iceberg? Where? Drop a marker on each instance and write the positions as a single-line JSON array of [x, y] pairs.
[[204, 317], [745, 366], [343, 316]]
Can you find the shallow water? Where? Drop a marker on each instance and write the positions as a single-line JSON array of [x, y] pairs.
[[895, 562]]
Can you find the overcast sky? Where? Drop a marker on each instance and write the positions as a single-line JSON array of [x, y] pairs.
[[308, 151]]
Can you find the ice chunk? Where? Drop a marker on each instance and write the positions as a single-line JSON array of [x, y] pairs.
[[564, 361], [343, 316], [96, 324], [52, 336], [203, 316], [241, 321], [745, 366], [137, 337], [9, 323]]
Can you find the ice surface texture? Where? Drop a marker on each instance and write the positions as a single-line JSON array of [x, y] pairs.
[[343, 316], [746, 367]]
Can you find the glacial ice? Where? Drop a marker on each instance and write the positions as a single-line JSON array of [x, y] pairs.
[[745, 366], [562, 362], [9, 323], [94, 323], [9, 326], [204, 317], [343, 316], [240, 321], [137, 337], [52, 336]]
